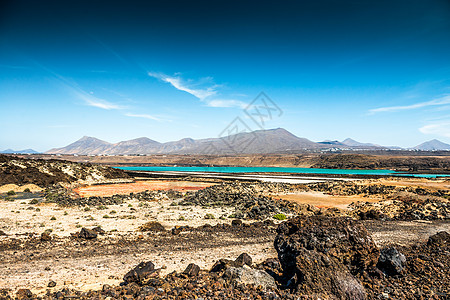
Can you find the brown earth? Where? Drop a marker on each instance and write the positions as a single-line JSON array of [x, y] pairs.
[[106, 190]]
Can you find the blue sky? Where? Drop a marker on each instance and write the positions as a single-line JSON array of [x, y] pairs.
[[373, 71]]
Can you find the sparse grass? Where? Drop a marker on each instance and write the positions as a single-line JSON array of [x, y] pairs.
[[181, 218], [27, 190], [11, 193], [87, 208], [53, 218], [106, 217], [113, 212], [66, 213], [100, 207], [280, 216], [209, 216], [130, 205]]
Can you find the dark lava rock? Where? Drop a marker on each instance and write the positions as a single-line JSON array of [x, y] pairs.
[[391, 262], [192, 270], [321, 256], [51, 283], [87, 234], [142, 273], [178, 229], [236, 222], [24, 294], [243, 259], [152, 226], [45, 237], [440, 239], [99, 230], [223, 264]]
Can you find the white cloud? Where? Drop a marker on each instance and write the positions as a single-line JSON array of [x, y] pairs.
[[91, 100], [206, 94], [145, 116], [438, 128], [227, 103], [437, 102]]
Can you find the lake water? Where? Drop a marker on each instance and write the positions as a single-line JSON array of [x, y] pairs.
[[280, 170]]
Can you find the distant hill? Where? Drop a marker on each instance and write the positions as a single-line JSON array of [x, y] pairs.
[[26, 151], [352, 143], [84, 146], [334, 143], [432, 145], [260, 141], [276, 140]]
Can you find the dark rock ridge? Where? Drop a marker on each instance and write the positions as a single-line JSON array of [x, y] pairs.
[[45, 172]]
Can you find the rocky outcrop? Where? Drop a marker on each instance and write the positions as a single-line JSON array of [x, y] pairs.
[[43, 172], [325, 256]]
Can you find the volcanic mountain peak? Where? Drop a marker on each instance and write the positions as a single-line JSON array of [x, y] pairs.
[[432, 145]]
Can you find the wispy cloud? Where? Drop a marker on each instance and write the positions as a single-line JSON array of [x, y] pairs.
[[204, 90], [437, 128], [145, 116], [91, 100], [227, 103], [436, 102]]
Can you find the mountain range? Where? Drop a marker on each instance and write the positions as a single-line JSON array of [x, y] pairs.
[[276, 140], [25, 151]]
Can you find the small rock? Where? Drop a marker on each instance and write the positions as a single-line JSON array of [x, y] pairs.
[[24, 294], [45, 237], [99, 230], [152, 226], [51, 283], [87, 234], [192, 270], [236, 223], [243, 259], [142, 273], [2, 233]]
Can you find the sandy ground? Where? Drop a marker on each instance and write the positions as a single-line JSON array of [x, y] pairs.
[[16, 188], [19, 219]]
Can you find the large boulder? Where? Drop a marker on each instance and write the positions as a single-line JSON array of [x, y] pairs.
[[320, 256], [142, 273], [439, 240], [247, 275], [391, 261]]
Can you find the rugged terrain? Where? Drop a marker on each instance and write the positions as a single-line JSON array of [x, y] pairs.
[[380, 238]]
